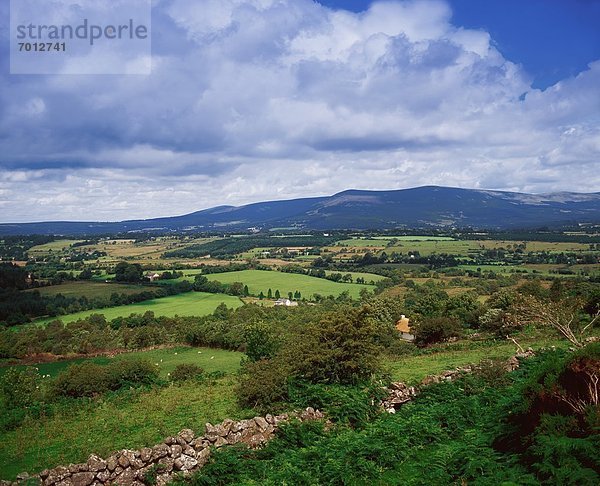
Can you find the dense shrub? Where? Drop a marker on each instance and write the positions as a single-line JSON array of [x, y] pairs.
[[89, 379], [436, 330], [185, 372]]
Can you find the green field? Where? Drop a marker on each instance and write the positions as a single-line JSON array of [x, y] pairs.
[[90, 289], [367, 276], [188, 304], [167, 359], [52, 247], [107, 424], [262, 280]]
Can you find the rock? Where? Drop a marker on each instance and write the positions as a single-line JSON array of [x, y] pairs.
[[123, 461], [158, 451], [112, 462], [220, 442], [126, 478], [95, 463], [45, 473], [22, 476], [115, 474], [170, 440], [234, 438], [175, 450], [189, 451], [185, 463], [146, 454], [187, 435], [203, 456], [262, 423], [200, 443], [225, 427], [56, 475], [166, 464], [103, 476], [83, 478], [269, 418]]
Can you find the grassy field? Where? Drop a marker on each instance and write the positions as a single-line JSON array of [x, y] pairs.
[[412, 369], [107, 424], [167, 359], [188, 304], [367, 276], [52, 247], [90, 289], [262, 280]]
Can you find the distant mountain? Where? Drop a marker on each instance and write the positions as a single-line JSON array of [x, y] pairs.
[[428, 206]]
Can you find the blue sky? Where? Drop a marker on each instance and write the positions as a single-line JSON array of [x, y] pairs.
[[552, 39], [252, 100]]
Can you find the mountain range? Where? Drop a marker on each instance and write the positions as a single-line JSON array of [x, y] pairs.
[[428, 206]]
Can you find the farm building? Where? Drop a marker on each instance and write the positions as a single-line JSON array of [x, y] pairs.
[[403, 328], [286, 302]]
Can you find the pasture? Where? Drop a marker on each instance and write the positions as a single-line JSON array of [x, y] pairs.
[[261, 281], [90, 289], [52, 247], [166, 359], [188, 304], [100, 426]]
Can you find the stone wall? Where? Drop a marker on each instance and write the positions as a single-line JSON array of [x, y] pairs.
[[399, 393], [181, 454]]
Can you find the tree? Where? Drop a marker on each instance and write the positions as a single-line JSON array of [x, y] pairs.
[[269, 294], [246, 291], [290, 295], [565, 316], [436, 330], [261, 296], [128, 272], [277, 294]]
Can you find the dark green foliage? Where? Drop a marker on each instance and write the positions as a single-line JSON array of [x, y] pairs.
[[448, 435], [436, 330], [128, 272], [263, 385], [350, 405], [186, 371], [19, 388], [89, 379]]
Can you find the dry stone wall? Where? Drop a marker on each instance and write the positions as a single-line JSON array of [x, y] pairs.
[[184, 454]]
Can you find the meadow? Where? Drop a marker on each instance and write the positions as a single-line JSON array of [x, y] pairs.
[[52, 247], [261, 281], [90, 289], [187, 304], [166, 359]]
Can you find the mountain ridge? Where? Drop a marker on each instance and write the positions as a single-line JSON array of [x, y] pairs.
[[424, 206]]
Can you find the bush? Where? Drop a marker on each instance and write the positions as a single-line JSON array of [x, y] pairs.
[[90, 379], [19, 388], [436, 330], [82, 380], [263, 385], [186, 371]]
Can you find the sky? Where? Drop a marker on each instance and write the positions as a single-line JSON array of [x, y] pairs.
[[254, 100]]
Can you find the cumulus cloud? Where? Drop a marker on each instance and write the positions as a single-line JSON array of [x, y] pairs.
[[267, 99]]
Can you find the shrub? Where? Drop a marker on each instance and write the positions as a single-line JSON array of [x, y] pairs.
[[263, 385], [186, 371], [82, 380], [19, 388], [89, 379], [436, 330]]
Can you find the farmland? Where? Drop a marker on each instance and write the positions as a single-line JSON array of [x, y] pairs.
[[89, 289], [261, 281], [188, 304]]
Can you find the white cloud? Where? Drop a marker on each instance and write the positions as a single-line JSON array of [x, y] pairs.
[[268, 99]]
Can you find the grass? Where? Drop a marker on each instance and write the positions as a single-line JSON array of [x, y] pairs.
[[52, 247], [262, 280], [129, 420], [412, 369], [187, 304], [167, 359], [89, 289]]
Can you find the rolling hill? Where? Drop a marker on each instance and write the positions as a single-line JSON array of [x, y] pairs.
[[428, 206]]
